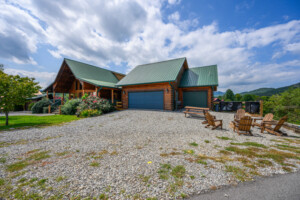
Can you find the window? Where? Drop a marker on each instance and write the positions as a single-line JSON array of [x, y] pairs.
[[76, 85], [80, 86]]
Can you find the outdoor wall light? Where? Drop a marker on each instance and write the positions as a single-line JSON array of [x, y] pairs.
[[124, 92], [167, 90]]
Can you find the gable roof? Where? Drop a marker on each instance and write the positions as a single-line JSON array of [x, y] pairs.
[[92, 74], [164, 71], [200, 76]]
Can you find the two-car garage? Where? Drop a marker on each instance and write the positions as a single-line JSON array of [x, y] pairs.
[[146, 100]]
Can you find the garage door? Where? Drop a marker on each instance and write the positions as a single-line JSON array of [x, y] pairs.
[[146, 100], [195, 98]]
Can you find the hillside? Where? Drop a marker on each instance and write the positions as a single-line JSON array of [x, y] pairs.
[[271, 91], [218, 93]]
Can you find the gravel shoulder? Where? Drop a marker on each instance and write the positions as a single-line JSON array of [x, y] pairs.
[[135, 154]]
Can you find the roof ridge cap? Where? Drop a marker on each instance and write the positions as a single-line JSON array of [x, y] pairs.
[[161, 61], [203, 66], [93, 66]]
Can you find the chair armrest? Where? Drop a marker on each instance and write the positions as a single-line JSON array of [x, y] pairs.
[[269, 122]]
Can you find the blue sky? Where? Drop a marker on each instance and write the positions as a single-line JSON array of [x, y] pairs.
[[254, 43]]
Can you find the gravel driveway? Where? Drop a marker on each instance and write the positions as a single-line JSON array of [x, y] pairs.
[[135, 154]]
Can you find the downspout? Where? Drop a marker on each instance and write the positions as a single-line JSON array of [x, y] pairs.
[[174, 101], [211, 99]]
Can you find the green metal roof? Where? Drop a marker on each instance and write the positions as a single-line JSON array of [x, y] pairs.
[[158, 72], [92, 74], [200, 76]]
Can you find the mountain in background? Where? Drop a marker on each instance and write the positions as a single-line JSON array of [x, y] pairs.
[[218, 93], [270, 91]]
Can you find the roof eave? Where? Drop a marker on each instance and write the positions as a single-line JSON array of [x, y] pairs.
[[197, 86], [146, 83]]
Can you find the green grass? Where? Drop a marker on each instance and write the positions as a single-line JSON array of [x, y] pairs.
[[2, 160], [239, 173], [224, 138], [2, 181], [194, 144], [94, 164], [288, 148], [17, 166], [29, 121], [253, 144], [189, 151], [39, 156], [178, 171], [206, 141], [60, 178]]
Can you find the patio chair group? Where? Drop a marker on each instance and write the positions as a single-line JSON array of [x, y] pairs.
[[242, 123]]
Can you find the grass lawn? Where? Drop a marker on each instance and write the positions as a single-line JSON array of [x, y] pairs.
[[29, 120]]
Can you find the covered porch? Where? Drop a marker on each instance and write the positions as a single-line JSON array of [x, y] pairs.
[[70, 85]]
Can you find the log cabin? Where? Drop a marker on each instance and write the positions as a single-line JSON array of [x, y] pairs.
[[165, 85], [77, 78], [169, 85]]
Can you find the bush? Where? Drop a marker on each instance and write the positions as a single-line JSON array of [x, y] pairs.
[[95, 103], [30, 105], [287, 103], [90, 113], [70, 107], [45, 109], [38, 106]]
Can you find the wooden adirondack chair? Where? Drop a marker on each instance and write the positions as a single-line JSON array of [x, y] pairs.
[[267, 118], [212, 121], [244, 125], [239, 114], [268, 126]]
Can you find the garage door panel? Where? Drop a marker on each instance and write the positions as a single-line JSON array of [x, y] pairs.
[[195, 98], [146, 100]]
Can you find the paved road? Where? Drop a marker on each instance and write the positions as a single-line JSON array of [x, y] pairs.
[[278, 187]]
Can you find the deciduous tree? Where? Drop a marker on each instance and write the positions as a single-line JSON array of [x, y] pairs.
[[15, 90]]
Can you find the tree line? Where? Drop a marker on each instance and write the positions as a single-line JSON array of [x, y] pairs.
[[230, 96], [286, 103]]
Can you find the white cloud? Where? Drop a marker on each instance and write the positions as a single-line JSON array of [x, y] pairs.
[[174, 16], [20, 34], [172, 2], [103, 32], [44, 78]]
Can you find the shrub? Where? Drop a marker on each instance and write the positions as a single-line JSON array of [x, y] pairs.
[[70, 107], [38, 106], [94, 103], [45, 109], [30, 105], [90, 113]]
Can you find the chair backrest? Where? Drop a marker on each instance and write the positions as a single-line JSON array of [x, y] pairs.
[[245, 123], [239, 114], [268, 117], [210, 119], [280, 123]]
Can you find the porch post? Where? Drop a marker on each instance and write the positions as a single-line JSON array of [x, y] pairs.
[[96, 91], [53, 96], [63, 98], [112, 96], [82, 88], [47, 95]]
